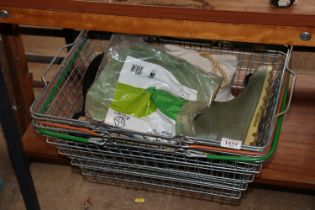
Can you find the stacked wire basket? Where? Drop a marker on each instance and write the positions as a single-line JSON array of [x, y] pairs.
[[198, 166]]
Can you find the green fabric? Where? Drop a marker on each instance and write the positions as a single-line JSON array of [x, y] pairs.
[[274, 145], [102, 93], [232, 119]]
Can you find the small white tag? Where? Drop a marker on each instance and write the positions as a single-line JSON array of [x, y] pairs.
[[231, 143]]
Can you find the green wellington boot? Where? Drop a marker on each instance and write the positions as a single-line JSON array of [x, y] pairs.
[[237, 119]]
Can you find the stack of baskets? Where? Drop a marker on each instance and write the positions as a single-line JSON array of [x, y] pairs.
[[185, 163]]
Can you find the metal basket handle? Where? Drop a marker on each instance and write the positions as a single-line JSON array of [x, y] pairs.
[[53, 61], [291, 72]]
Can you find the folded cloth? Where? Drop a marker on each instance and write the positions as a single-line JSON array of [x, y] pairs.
[[142, 88], [221, 64]]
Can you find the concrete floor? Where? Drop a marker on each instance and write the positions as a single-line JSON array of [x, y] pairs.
[[60, 187]]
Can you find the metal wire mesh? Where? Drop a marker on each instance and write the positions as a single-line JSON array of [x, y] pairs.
[[143, 156], [100, 176], [157, 173], [68, 99], [154, 160]]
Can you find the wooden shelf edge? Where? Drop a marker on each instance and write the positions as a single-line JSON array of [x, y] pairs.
[[264, 13], [35, 146], [252, 33]]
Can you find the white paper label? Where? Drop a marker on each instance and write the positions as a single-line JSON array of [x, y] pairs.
[[231, 143]]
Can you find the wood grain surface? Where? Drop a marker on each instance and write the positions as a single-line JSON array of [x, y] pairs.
[[292, 165], [10, 88], [36, 147], [19, 80], [164, 27], [262, 6], [228, 11]]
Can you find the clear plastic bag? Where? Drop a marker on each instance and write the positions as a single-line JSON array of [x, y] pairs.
[[142, 88], [224, 65]]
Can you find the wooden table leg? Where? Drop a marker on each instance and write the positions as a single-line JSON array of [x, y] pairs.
[[15, 150], [18, 79]]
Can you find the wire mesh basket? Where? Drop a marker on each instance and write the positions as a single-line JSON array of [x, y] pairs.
[[205, 176], [107, 152], [205, 191], [241, 172], [63, 97]]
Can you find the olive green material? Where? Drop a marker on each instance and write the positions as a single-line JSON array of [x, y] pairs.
[[232, 119]]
